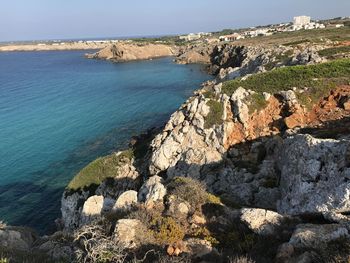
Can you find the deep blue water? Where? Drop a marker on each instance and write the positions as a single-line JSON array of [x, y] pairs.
[[59, 111]]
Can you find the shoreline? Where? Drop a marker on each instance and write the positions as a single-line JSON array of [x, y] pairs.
[[53, 47]]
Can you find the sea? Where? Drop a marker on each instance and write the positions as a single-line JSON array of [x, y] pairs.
[[59, 111]]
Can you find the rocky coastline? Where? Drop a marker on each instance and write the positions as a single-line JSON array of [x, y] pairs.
[[254, 166], [122, 52]]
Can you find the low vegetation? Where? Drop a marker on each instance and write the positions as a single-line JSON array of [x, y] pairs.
[[215, 114], [319, 79], [302, 36], [329, 52], [99, 170], [256, 102], [166, 230], [189, 190]]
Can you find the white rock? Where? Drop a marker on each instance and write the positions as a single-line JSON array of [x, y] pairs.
[[152, 190], [315, 236], [125, 200], [198, 247], [126, 231], [261, 221], [92, 209], [314, 176]]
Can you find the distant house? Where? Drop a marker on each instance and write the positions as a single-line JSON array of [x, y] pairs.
[[191, 37], [232, 37], [301, 21]]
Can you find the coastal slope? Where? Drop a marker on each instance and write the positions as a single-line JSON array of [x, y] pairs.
[[254, 167]]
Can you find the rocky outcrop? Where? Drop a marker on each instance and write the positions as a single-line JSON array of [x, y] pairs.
[[229, 61], [126, 232], [260, 221], [216, 154], [317, 236], [195, 54], [126, 200], [18, 238], [152, 191], [315, 175], [128, 52], [73, 203]]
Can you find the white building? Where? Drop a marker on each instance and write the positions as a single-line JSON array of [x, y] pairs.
[[191, 37], [232, 37], [300, 21]]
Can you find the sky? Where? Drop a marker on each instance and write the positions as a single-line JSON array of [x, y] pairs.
[[72, 19]]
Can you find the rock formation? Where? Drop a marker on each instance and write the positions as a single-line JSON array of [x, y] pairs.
[[128, 52]]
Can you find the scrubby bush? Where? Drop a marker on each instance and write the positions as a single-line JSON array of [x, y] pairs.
[[189, 190], [166, 230], [95, 244], [215, 114], [328, 52]]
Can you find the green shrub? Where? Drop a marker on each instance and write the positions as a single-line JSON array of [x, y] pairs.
[[204, 233], [166, 230], [257, 102], [215, 114], [189, 190], [213, 199], [99, 170]]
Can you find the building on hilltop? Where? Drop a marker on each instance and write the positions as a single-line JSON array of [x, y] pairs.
[[232, 37], [300, 21], [192, 36]]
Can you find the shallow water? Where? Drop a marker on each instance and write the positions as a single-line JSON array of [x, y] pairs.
[[59, 111]]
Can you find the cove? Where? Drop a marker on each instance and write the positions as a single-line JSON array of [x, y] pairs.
[[59, 111]]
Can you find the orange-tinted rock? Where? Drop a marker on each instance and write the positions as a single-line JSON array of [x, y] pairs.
[[346, 105]]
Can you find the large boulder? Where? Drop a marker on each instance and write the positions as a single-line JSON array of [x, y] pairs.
[[126, 200], [261, 221], [126, 232], [92, 209], [317, 236], [198, 247], [315, 175]]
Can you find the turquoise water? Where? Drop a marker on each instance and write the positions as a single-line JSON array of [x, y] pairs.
[[59, 111]]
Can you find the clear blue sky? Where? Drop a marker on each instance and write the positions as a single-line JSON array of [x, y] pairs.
[[58, 19]]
